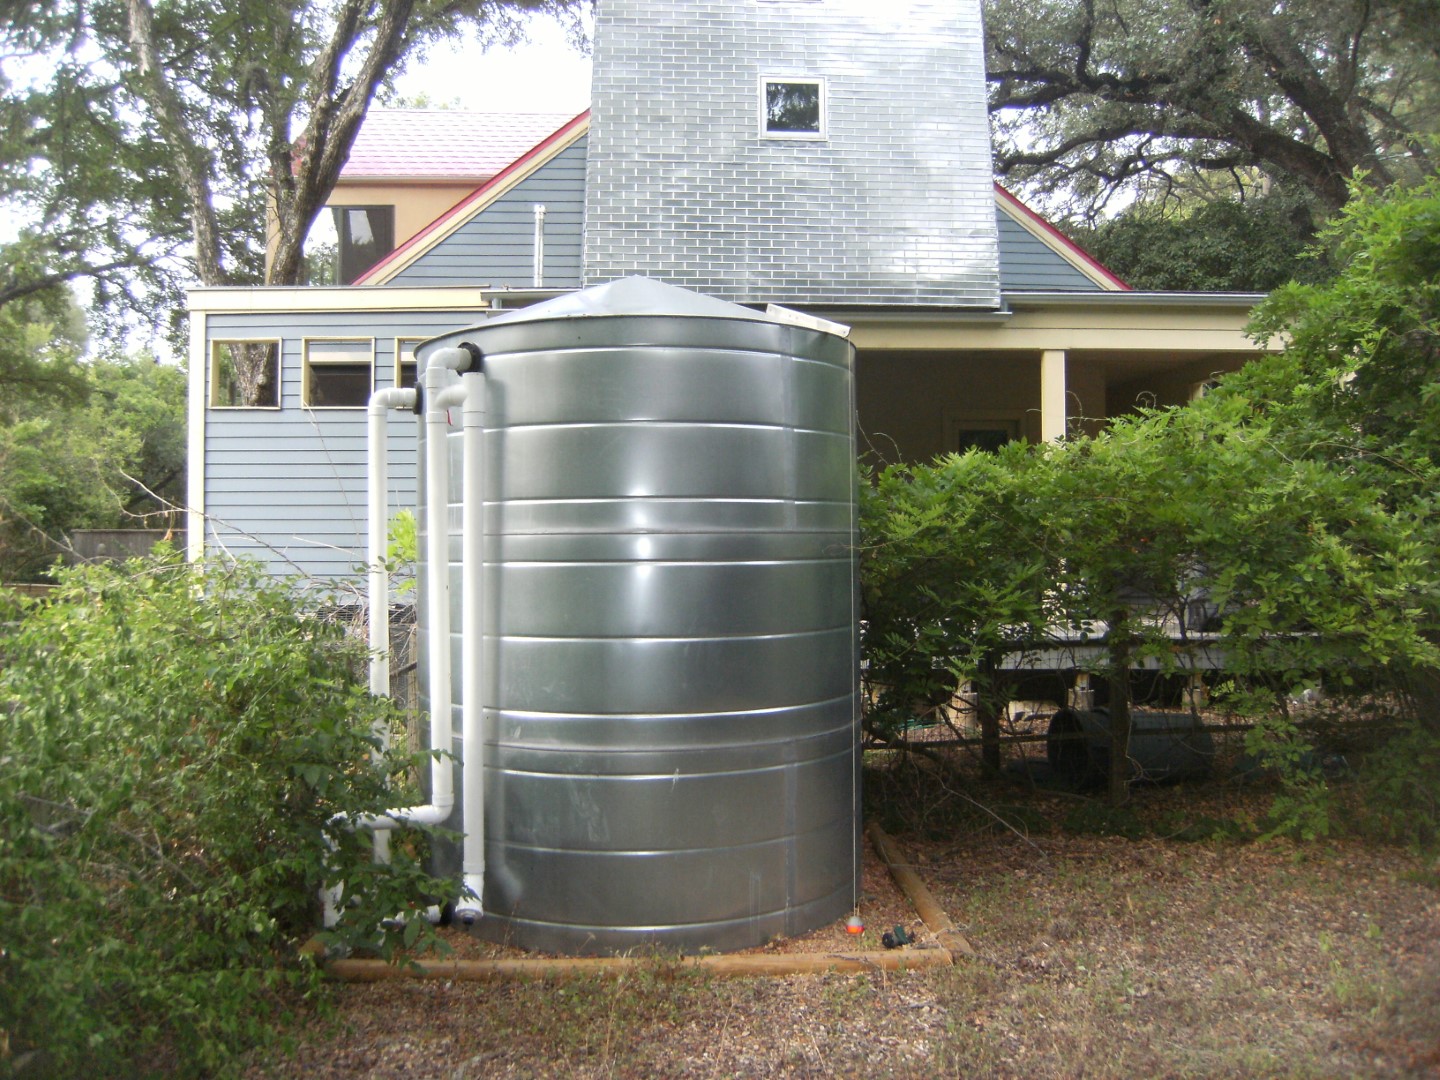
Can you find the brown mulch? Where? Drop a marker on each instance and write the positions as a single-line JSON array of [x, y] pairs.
[[1098, 956]]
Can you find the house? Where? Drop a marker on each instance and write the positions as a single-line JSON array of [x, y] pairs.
[[829, 156]]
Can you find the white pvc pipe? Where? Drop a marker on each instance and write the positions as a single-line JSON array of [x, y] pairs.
[[376, 550], [472, 776], [378, 521], [437, 474]]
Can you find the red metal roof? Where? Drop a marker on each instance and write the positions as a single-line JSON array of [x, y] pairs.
[[443, 144], [457, 213]]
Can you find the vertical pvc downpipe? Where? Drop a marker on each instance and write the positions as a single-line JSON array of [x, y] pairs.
[[472, 777], [378, 587], [437, 540], [437, 553], [377, 548], [537, 276]]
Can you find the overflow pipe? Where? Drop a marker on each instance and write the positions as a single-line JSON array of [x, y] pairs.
[[437, 474], [377, 549], [472, 775]]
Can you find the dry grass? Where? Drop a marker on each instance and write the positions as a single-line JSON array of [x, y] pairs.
[[1100, 956]]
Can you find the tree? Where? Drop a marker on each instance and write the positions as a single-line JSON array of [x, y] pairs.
[[954, 574], [1367, 344], [179, 129], [92, 445], [1095, 96], [1224, 245], [1361, 386], [1103, 542]]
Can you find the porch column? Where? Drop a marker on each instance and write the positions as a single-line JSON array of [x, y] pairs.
[[1052, 395]]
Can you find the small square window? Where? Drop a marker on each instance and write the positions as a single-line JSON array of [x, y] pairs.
[[245, 374], [792, 108], [405, 365], [338, 374]]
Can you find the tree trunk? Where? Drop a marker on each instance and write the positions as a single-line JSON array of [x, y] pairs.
[[987, 712], [1122, 645], [335, 116], [192, 161]]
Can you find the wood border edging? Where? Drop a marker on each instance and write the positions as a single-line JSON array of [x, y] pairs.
[[950, 941]]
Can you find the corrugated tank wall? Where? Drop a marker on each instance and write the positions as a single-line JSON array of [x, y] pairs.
[[669, 656]]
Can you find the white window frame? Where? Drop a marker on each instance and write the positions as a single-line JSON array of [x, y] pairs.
[[763, 112], [307, 362], [213, 372]]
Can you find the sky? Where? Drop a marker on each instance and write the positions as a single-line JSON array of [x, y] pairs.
[[543, 75]]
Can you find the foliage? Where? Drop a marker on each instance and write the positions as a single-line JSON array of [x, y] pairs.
[[149, 144], [177, 739], [1368, 342], [1360, 390], [40, 338], [402, 551], [1093, 97], [953, 576], [1221, 245], [1116, 540], [1302, 807], [103, 448], [1402, 798]]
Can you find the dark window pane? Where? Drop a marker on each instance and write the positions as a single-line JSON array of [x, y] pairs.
[[334, 385], [792, 106], [366, 235], [405, 377], [982, 438]]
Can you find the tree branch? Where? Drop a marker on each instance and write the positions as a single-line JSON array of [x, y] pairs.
[[192, 161]]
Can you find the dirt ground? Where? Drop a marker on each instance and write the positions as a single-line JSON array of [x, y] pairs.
[[1098, 956]]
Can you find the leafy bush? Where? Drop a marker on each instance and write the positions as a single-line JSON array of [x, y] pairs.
[[1402, 794], [176, 740]]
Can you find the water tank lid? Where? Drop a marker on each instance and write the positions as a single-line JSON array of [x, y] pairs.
[[633, 296]]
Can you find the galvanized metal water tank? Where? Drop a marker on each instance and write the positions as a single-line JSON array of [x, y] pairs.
[[669, 663]]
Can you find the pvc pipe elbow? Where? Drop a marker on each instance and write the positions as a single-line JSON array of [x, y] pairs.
[[391, 397], [470, 908]]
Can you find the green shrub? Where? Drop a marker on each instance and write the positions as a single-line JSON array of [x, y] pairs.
[[1401, 787], [175, 740]]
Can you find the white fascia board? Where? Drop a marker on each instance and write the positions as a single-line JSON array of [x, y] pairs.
[[308, 298]]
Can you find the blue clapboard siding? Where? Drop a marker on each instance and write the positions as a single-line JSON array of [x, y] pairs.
[[497, 245], [1027, 264], [288, 485]]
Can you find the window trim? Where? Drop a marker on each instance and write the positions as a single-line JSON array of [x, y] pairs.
[[400, 342], [762, 108], [213, 373], [306, 364], [958, 420]]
